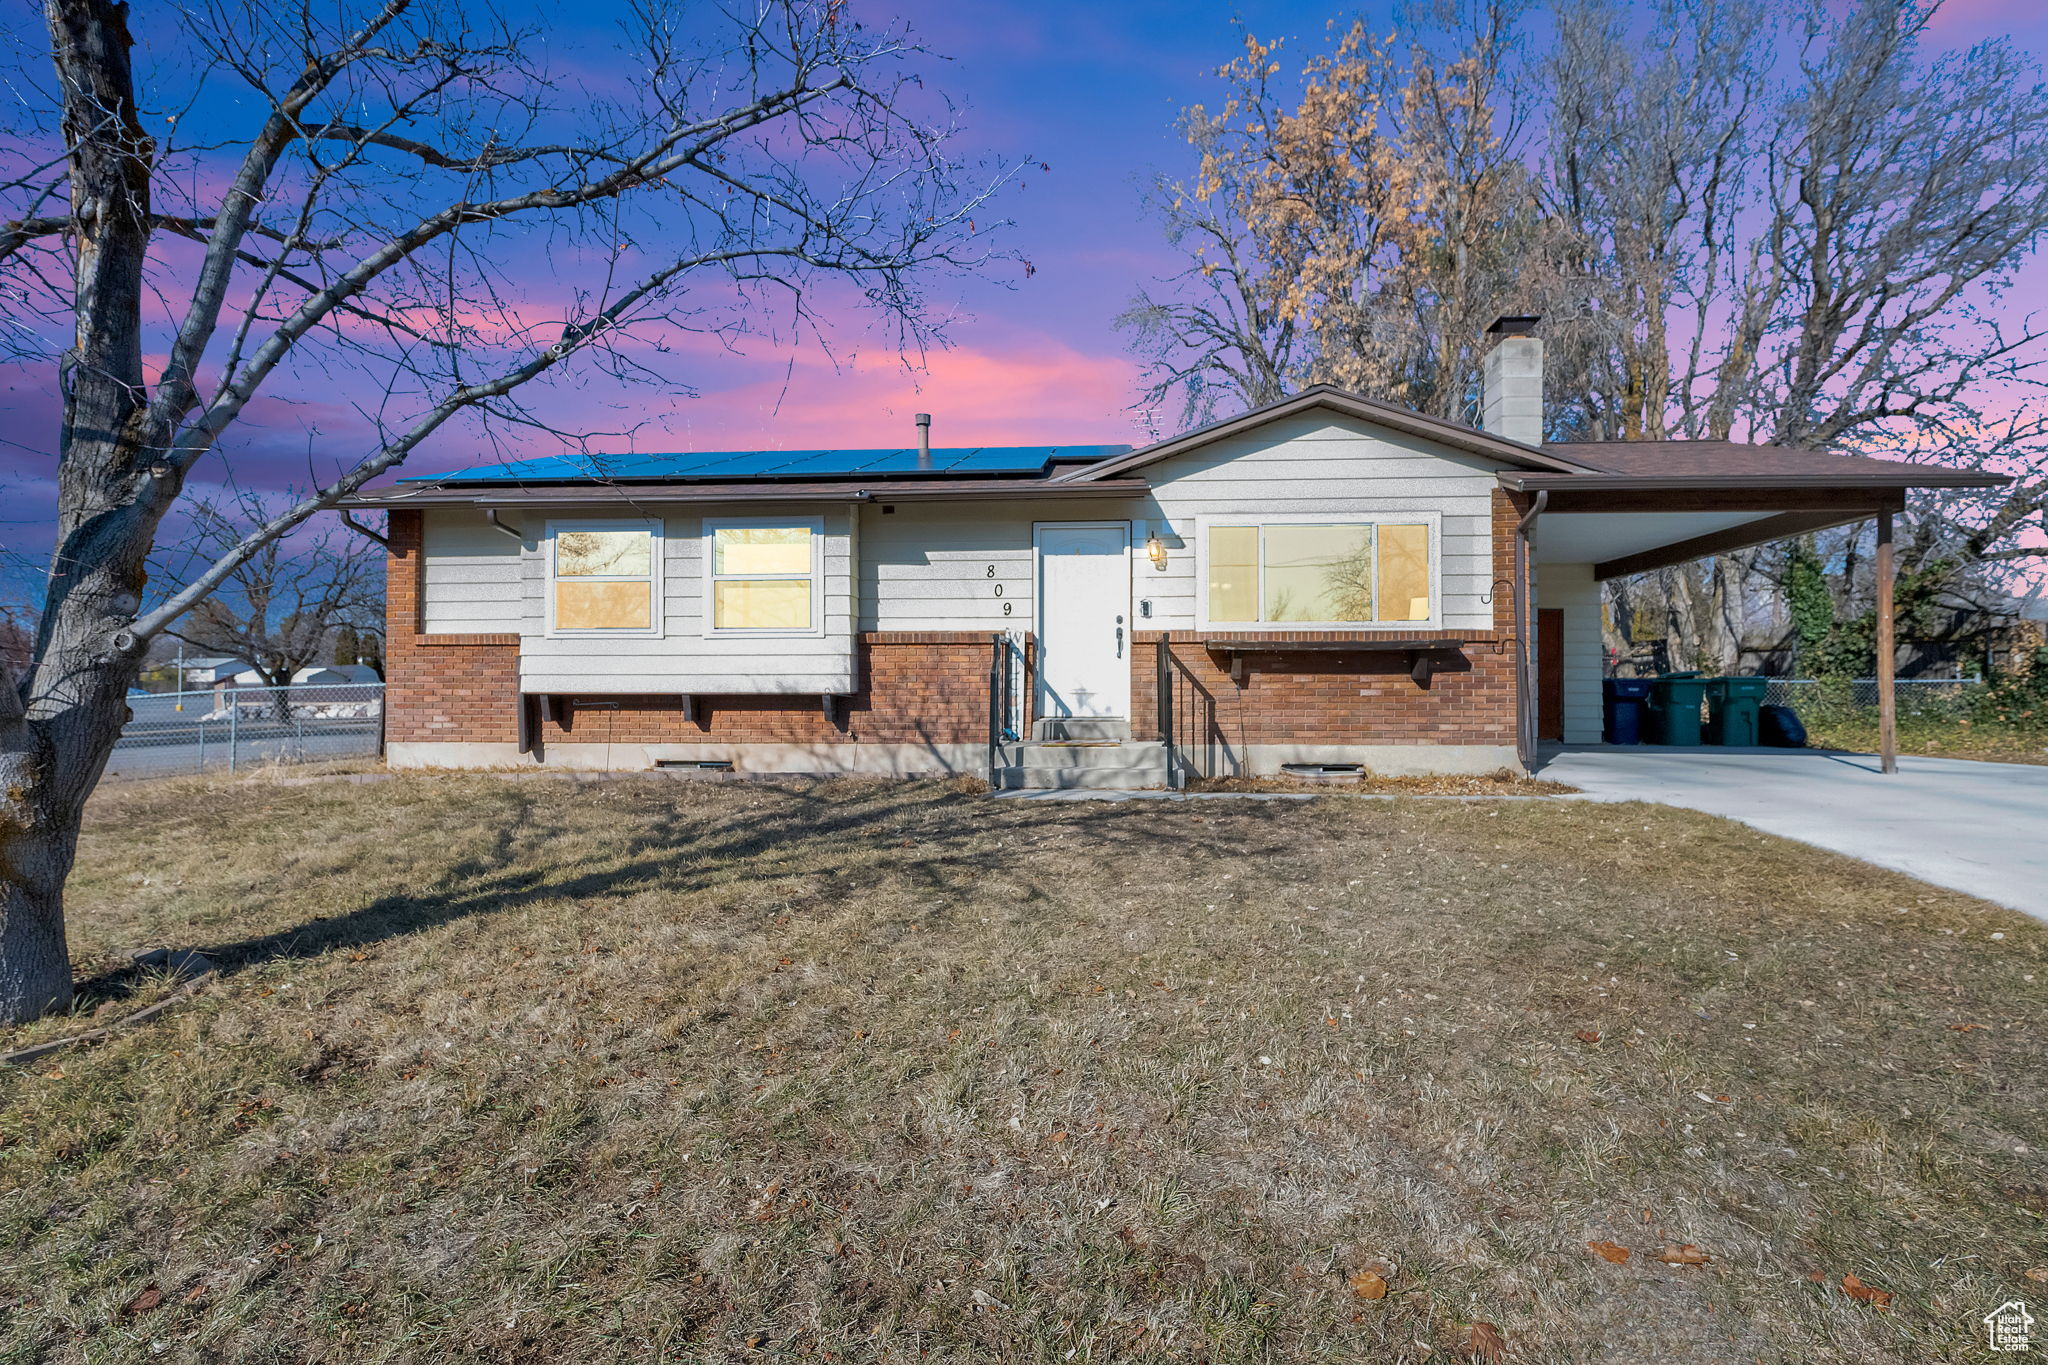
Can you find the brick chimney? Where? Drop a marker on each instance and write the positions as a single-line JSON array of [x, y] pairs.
[[1512, 382]]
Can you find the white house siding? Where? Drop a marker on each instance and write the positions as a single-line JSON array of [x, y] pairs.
[[470, 576], [682, 660], [1325, 466], [1573, 588], [957, 566]]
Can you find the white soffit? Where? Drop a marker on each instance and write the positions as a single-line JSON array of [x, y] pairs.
[[1596, 537]]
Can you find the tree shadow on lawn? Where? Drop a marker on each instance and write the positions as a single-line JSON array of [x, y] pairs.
[[687, 850]]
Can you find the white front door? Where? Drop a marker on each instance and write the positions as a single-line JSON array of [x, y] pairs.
[[1084, 626]]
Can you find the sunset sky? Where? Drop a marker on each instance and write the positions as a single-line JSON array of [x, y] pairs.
[[1090, 89]]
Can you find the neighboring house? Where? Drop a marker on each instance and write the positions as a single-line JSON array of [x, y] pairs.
[[1325, 579], [220, 671], [334, 675], [235, 673]]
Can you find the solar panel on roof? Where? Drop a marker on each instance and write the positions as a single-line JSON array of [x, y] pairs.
[[772, 464], [744, 464], [1001, 459], [812, 463]]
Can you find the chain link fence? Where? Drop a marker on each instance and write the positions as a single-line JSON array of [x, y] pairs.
[[228, 728], [1916, 698]]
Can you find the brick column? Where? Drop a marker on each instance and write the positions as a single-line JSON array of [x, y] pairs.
[[448, 688]]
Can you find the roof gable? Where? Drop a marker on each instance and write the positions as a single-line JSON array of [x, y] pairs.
[[1455, 435]]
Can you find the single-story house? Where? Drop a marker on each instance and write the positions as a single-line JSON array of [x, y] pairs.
[[213, 671], [1324, 579], [334, 675], [220, 674]]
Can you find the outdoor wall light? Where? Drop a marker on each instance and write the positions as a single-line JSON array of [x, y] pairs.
[[1155, 550]]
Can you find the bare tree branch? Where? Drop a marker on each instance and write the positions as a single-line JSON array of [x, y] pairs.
[[407, 207]]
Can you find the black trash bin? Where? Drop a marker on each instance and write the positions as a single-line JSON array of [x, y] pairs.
[[1625, 698], [1780, 727]]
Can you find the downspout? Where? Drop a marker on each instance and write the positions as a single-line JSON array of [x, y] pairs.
[[1525, 629], [491, 516]]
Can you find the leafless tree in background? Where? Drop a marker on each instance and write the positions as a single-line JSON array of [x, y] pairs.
[[17, 644], [409, 193], [1349, 234], [281, 606], [1771, 220]]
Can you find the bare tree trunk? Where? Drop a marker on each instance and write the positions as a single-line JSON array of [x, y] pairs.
[[35, 964], [54, 741]]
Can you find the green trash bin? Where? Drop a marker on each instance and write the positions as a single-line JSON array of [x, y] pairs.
[[1735, 711], [1675, 708]]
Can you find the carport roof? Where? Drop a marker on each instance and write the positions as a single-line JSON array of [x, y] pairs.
[[1733, 464]]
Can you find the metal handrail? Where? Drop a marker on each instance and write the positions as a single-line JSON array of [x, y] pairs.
[[1168, 707], [1163, 703], [1002, 699], [997, 685]]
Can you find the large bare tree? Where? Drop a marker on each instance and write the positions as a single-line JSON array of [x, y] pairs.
[[267, 198], [1774, 220]]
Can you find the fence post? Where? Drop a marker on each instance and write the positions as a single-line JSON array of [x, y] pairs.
[[234, 715]]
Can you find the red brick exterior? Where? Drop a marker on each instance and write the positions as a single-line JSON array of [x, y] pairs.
[[922, 687], [932, 687], [451, 688]]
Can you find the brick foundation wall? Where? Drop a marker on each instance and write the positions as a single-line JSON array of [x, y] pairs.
[[440, 687], [928, 687], [1304, 697]]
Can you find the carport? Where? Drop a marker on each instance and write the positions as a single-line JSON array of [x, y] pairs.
[[1633, 506]]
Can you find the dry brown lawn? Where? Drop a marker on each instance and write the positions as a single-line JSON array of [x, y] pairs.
[[1501, 783], [1985, 743], [650, 1069]]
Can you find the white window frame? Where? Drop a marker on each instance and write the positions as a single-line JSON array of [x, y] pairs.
[[651, 525], [1334, 517], [712, 526]]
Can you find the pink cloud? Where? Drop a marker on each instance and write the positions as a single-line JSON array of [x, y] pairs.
[[1967, 21], [1034, 391]]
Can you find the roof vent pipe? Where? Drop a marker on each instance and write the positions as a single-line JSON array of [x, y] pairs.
[[1511, 382], [924, 440]]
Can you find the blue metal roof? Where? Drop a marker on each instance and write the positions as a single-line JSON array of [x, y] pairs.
[[745, 465]]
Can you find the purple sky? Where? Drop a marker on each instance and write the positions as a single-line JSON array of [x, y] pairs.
[[1091, 89]]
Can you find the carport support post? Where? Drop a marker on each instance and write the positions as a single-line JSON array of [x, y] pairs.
[[1887, 651]]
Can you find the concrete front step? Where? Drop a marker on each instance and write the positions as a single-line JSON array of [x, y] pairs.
[[1051, 729], [1068, 779], [1110, 767]]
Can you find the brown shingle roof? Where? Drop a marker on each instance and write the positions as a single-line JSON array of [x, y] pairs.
[[1733, 459], [1708, 463]]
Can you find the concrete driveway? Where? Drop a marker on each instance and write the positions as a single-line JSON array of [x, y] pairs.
[[1976, 827]]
